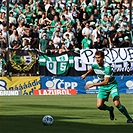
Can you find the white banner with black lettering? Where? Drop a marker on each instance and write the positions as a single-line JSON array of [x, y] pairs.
[[120, 58]]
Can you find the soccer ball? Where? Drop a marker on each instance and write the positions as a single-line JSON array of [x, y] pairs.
[[47, 120]]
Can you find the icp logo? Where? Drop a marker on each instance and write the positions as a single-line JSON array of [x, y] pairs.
[[60, 84]]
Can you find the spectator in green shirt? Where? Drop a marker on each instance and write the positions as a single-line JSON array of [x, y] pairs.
[[86, 42], [43, 43]]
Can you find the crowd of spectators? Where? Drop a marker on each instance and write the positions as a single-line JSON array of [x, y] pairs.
[[62, 25]]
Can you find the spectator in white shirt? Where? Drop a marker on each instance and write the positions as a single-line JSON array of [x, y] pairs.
[[12, 19], [95, 33], [56, 40], [67, 14], [13, 36], [20, 29], [71, 34], [86, 31]]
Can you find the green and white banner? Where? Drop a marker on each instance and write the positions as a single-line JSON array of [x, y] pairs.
[[57, 65], [69, 63]]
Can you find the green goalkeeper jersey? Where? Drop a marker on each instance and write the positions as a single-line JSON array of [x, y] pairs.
[[104, 71]]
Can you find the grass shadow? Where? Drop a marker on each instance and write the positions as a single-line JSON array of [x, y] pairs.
[[33, 124]]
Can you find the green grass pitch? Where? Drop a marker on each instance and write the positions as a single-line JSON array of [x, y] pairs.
[[72, 114]]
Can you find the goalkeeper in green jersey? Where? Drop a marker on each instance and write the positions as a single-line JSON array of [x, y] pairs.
[[108, 85]]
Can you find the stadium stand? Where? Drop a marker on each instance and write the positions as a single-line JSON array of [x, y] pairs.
[[67, 24]]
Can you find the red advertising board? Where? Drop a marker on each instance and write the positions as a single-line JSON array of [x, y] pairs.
[[55, 92]]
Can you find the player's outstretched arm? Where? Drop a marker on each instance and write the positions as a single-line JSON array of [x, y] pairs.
[[89, 71], [104, 82]]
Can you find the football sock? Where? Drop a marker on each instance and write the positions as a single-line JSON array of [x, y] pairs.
[[123, 110], [105, 107]]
